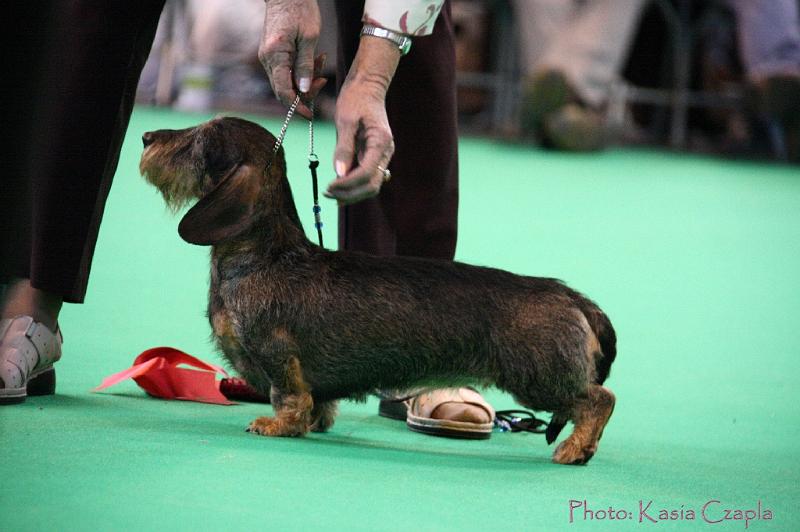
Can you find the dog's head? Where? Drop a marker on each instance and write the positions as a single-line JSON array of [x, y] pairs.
[[221, 163]]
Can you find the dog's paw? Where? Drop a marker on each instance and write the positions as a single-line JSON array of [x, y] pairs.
[[268, 426], [569, 452]]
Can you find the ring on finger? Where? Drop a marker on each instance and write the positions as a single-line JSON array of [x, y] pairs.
[[387, 175]]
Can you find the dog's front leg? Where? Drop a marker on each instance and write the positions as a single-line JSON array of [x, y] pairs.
[[292, 403]]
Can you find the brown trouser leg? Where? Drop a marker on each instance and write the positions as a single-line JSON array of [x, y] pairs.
[[72, 76], [416, 212]]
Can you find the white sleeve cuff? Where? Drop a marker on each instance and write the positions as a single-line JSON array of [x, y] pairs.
[[412, 17]]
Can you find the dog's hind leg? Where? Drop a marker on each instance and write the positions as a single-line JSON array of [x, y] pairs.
[[292, 403], [590, 415], [323, 415]]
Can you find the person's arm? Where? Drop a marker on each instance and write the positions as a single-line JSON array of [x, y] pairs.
[[364, 140], [291, 31], [364, 143]]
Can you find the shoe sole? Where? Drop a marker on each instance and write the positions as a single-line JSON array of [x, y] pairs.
[[393, 409], [449, 429], [574, 129], [43, 383]]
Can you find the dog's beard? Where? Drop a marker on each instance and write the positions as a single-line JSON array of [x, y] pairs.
[[178, 186]]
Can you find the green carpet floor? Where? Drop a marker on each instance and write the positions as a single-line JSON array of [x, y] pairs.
[[695, 260]]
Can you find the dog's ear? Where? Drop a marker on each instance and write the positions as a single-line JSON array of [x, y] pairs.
[[224, 212]]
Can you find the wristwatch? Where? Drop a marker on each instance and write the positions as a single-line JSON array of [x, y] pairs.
[[403, 42]]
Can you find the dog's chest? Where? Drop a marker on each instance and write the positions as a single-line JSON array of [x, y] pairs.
[[221, 320], [243, 291], [225, 334]]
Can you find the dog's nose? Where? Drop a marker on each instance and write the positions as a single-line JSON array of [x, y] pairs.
[[148, 138]]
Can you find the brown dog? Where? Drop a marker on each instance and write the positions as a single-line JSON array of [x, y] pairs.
[[313, 326]]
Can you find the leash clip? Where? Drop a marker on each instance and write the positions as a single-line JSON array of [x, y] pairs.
[[313, 163]]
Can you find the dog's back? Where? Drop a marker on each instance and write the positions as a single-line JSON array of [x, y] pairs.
[[371, 322]]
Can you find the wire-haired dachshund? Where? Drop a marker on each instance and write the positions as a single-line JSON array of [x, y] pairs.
[[311, 326]]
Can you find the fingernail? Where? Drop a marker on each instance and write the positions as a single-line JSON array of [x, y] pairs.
[[340, 168], [304, 84]]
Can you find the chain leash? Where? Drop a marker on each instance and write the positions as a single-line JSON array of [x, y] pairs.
[[313, 161]]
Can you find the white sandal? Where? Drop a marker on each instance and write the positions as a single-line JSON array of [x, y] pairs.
[[28, 350]]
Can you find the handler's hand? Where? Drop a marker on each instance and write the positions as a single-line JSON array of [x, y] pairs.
[[291, 31], [364, 140]]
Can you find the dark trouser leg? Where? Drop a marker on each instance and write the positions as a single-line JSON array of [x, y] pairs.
[[19, 78], [77, 113], [416, 212]]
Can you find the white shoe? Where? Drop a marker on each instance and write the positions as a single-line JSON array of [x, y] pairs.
[[28, 350]]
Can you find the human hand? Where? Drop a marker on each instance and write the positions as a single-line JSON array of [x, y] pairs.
[[364, 139], [291, 31]]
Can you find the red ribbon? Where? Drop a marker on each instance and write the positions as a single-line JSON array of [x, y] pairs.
[[156, 371]]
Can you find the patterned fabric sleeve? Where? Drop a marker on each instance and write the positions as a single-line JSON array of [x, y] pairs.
[[412, 17]]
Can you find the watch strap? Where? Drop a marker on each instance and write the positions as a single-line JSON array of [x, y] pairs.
[[403, 42]]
